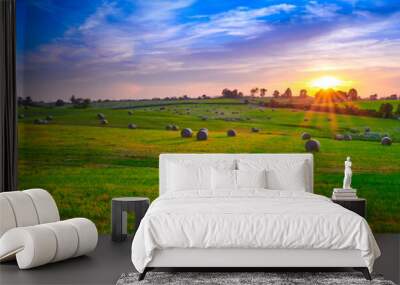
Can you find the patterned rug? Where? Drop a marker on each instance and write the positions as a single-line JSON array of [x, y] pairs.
[[269, 278]]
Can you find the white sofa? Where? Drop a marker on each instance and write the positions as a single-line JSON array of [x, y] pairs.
[[31, 231]]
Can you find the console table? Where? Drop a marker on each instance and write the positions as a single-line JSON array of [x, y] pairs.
[[119, 214]]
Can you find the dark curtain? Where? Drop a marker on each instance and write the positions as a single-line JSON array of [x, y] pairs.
[[8, 100]]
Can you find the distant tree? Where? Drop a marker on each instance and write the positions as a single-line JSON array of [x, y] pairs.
[[204, 96], [227, 93], [303, 93], [287, 93], [80, 102], [386, 110], [263, 91], [254, 91], [373, 97], [60, 103], [28, 101], [275, 94], [393, 97], [352, 94], [185, 97]]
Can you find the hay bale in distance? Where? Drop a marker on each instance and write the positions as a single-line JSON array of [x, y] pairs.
[[305, 136], [101, 116], [49, 117], [255, 130], [339, 137], [103, 122], [132, 126], [347, 137], [175, 127], [40, 122], [386, 141], [202, 135], [130, 112], [312, 145], [231, 133], [168, 127], [187, 133], [21, 116]]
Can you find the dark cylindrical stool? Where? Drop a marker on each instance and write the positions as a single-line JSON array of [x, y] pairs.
[[119, 208]]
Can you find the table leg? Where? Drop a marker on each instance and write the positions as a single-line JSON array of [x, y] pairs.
[[140, 211], [116, 221]]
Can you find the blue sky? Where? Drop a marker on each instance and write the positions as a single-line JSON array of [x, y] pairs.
[[143, 49]]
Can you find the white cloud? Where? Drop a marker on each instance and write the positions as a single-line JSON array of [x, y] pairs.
[[317, 10]]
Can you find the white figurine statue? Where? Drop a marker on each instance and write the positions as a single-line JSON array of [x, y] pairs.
[[347, 174]]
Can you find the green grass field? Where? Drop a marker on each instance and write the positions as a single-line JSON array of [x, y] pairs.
[[84, 164]]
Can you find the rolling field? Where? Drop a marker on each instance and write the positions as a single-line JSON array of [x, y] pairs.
[[84, 164]]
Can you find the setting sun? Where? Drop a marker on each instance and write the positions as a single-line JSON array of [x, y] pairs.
[[326, 82]]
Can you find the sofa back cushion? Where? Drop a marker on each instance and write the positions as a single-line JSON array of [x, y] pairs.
[[26, 208]]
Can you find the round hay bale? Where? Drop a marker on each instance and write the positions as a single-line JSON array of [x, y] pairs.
[[204, 118], [132, 126], [231, 133], [49, 118], [255, 130], [21, 116], [347, 137], [187, 133], [367, 129], [305, 136], [40, 122], [103, 122], [312, 145], [339, 137], [305, 120], [202, 135], [130, 112], [175, 128], [101, 116], [168, 127], [386, 141]]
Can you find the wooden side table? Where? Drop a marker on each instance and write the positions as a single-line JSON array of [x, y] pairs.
[[357, 205], [119, 208]]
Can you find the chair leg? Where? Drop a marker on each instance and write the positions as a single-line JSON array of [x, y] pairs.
[[364, 271], [143, 274]]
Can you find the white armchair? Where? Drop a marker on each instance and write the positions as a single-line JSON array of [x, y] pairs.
[[31, 230]]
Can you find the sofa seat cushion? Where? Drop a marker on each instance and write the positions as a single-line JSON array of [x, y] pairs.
[[40, 244]]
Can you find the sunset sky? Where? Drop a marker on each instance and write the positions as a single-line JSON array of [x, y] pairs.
[[143, 49]]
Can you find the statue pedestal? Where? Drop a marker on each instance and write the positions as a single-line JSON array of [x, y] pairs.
[[351, 190], [344, 194]]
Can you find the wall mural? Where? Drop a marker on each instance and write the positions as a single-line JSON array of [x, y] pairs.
[[106, 86]]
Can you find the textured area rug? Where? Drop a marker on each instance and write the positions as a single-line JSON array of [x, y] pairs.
[[228, 278]]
